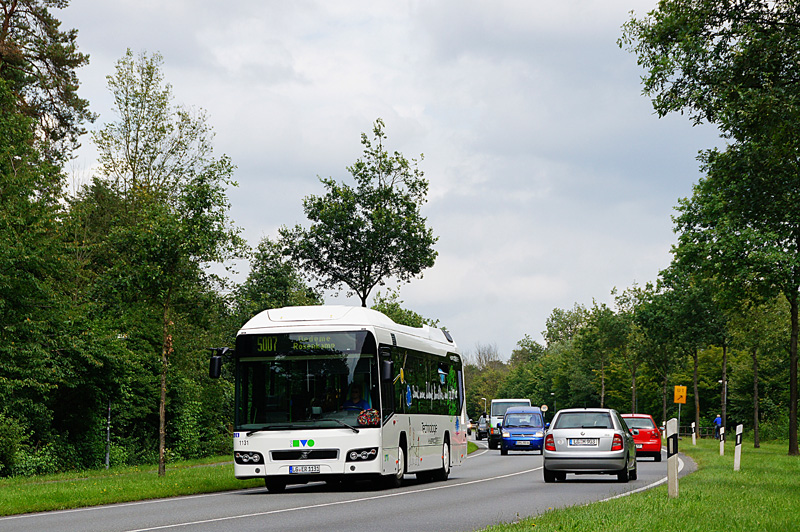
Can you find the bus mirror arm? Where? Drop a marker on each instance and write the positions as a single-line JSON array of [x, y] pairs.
[[387, 370]]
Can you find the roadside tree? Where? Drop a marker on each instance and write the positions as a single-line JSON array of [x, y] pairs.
[[726, 63], [362, 236], [173, 217]]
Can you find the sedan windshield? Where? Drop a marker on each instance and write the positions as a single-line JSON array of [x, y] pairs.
[[584, 420], [305, 380], [523, 420], [639, 423]]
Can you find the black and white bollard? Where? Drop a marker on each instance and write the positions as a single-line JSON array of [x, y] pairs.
[[694, 434], [737, 453], [672, 457], [722, 441]]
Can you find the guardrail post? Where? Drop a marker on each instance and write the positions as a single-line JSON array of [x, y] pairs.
[[672, 457], [694, 434], [737, 453], [722, 441]]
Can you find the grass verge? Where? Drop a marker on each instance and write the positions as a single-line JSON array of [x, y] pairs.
[[90, 488], [763, 495]]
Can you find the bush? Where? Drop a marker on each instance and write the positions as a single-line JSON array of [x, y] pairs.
[[11, 437], [43, 461], [775, 429]]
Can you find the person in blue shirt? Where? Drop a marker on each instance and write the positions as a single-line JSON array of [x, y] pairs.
[[356, 402], [717, 425]]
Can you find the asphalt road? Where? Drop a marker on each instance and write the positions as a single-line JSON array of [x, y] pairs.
[[488, 489]]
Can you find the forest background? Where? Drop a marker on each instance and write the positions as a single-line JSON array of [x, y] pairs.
[[109, 300]]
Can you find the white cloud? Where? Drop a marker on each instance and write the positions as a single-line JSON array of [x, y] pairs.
[[551, 180]]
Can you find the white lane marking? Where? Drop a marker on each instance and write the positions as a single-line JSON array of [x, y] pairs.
[[337, 503], [123, 504]]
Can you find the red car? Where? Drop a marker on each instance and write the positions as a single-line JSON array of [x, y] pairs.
[[645, 434]]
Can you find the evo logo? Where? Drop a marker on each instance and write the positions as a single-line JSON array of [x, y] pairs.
[[302, 443]]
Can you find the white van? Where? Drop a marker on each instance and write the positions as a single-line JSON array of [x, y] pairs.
[[498, 410]]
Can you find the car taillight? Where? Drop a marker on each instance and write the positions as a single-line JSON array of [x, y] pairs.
[[616, 445], [656, 435], [549, 443]]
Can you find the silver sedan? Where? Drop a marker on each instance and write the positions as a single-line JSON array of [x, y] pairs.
[[589, 441]]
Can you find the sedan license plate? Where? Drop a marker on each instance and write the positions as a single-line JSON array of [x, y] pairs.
[[523, 442], [298, 469], [583, 442]]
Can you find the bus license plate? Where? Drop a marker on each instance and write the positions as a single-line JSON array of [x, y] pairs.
[[583, 441], [299, 469]]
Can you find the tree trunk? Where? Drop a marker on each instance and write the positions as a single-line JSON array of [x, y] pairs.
[[696, 394], [602, 384], [793, 450], [756, 442], [166, 348]]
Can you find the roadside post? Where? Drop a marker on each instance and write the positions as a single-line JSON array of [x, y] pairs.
[[672, 457], [694, 434], [737, 453], [722, 441]]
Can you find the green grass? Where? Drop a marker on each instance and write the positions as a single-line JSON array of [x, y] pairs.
[[91, 488], [763, 495]]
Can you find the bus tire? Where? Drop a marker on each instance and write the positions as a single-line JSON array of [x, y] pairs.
[[275, 485], [396, 480], [444, 472]]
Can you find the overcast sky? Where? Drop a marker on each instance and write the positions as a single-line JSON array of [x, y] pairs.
[[551, 180]]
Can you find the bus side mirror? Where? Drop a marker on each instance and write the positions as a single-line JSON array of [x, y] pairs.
[[215, 364], [387, 370], [215, 367]]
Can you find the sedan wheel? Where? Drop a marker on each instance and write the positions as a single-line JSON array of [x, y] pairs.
[[622, 476]]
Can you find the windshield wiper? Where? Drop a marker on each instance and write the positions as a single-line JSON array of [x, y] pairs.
[[272, 427], [342, 423]]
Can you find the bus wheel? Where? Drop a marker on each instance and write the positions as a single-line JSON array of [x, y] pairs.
[[444, 472], [394, 481], [275, 485]]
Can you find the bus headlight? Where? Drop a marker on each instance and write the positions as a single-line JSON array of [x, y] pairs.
[[362, 455], [247, 457]]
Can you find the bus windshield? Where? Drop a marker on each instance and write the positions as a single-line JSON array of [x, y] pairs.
[[318, 380], [499, 408]]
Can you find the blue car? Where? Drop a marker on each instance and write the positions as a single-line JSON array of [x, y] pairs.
[[522, 430]]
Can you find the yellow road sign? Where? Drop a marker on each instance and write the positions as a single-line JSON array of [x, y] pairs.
[[680, 394]]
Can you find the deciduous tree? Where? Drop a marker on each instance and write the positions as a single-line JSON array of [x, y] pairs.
[[734, 64], [174, 217], [362, 236]]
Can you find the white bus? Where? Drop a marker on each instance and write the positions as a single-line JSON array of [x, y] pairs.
[[335, 392]]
